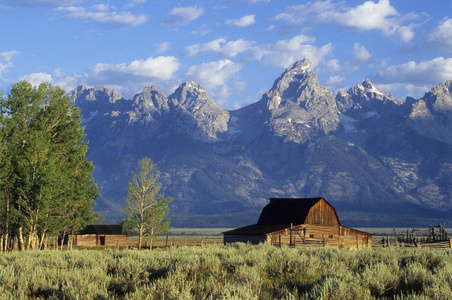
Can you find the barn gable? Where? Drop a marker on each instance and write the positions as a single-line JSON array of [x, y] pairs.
[[296, 211]]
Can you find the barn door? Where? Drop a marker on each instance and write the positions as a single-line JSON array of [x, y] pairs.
[[102, 240]]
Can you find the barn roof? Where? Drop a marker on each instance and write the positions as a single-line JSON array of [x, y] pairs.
[[102, 229], [256, 229], [287, 211]]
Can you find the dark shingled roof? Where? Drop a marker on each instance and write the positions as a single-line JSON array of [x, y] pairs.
[[256, 229], [102, 229], [286, 211]]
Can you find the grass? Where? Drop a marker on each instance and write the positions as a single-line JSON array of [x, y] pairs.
[[236, 271]]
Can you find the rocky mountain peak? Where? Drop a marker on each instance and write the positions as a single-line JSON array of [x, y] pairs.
[[149, 105], [96, 100], [192, 96], [363, 96], [439, 98], [191, 102], [151, 99], [299, 106]]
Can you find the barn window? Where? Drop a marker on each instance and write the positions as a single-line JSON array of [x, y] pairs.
[[330, 236], [311, 236]]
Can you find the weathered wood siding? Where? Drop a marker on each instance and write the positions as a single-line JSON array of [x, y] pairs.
[[252, 239], [308, 235], [87, 240], [114, 240], [322, 214], [90, 240]]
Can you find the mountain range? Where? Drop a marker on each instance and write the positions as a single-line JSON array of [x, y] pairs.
[[378, 160]]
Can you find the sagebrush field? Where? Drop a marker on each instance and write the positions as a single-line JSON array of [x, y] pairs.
[[237, 271]]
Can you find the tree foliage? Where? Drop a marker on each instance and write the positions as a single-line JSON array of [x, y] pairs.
[[146, 210], [46, 181]]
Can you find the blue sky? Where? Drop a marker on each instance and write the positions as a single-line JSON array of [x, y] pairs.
[[234, 48]]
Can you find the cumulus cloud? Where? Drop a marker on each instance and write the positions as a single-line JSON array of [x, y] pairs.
[[213, 74], [335, 80], [221, 46], [360, 54], [370, 15], [41, 2], [101, 14], [300, 15], [425, 72], [183, 15], [5, 60], [163, 47], [37, 78], [414, 77], [161, 68], [244, 21], [284, 52], [441, 37]]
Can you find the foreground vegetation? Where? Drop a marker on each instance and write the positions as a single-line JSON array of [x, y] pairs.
[[238, 271]]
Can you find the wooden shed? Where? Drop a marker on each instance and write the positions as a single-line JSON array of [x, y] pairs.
[[101, 235], [299, 222]]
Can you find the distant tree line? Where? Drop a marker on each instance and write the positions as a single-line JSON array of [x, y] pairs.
[[46, 184]]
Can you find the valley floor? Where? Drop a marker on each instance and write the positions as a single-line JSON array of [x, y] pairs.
[[236, 271]]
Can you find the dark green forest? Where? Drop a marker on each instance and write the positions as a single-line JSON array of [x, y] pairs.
[[46, 184]]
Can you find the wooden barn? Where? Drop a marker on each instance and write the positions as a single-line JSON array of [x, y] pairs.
[[299, 222], [100, 235]]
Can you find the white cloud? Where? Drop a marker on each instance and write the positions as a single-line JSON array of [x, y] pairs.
[[334, 66], [221, 46], [42, 2], [213, 74], [202, 31], [360, 54], [283, 53], [423, 73], [244, 21], [414, 78], [5, 60], [183, 15], [37, 78], [163, 47], [441, 37], [161, 68], [100, 14], [335, 80], [370, 15]]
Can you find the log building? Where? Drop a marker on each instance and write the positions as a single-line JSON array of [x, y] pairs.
[[299, 222], [101, 235]]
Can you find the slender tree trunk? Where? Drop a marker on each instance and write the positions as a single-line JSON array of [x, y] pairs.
[[21, 239], [1, 243], [140, 236], [41, 240], [5, 245]]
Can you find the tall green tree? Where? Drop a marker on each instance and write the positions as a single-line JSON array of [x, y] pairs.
[[146, 210], [48, 179]]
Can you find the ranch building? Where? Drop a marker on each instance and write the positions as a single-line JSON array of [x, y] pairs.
[[101, 235], [299, 222]]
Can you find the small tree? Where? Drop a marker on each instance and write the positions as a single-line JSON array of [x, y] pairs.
[[145, 209]]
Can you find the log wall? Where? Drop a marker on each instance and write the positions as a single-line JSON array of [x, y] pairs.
[[90, 240]]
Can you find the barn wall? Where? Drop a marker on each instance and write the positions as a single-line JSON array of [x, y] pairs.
[[90, 240], [115, 240], [307, 235], [87, 240], [322, 214], [252, 239]]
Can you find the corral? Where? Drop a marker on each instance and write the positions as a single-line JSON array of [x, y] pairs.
[[299, 222]]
